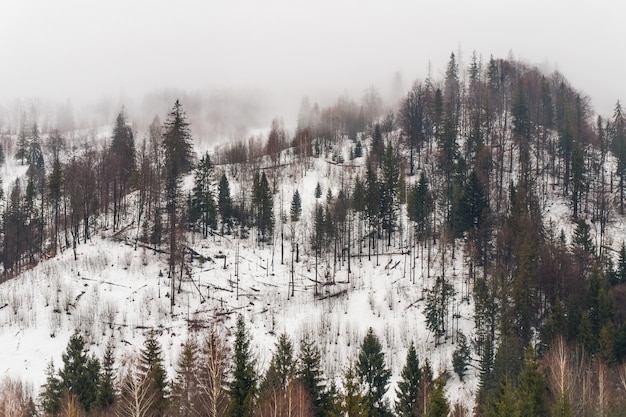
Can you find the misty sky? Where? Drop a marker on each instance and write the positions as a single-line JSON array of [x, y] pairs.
[[83, 49]]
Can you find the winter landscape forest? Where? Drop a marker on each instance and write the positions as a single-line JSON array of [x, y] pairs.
[[456, 250]]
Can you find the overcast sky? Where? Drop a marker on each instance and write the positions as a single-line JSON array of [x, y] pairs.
[[82, 49]]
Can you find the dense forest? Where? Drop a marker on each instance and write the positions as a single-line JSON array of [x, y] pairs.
[[470, 166]]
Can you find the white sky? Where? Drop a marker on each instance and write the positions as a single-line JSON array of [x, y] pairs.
[[87, 48]]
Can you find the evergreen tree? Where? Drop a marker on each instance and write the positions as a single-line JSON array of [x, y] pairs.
[[378, 147], [582, 237], [318, 190], [352, 404], [55, 189], [2, 155], [620, 273], [618, 133], [579, 180], [390, 182], [461, 356], [106, 388], [420, 205], [532, 389], [504, 403], [121, 163], [437, 305], [309, 374], [224, 203], [152, 370], [358, 149], [202, 209], [80, 374], [186, 390], [281, 369], [242, 387], [296, 207], [264, 206], [437, 403], [34, 156], [472, 204], [178, 154], [52, 390], [21, 154], [374, 374], [408, 386]]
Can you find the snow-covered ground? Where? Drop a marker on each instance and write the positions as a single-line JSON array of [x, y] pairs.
[[116, 290]]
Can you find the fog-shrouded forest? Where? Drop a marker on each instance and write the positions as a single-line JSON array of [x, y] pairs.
[[454, 248]]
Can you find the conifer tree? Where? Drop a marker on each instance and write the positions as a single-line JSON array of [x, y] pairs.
[[152, 371], [318, 190], [419, 205], [178, 154], [224, 203], [296, 207], [186, 390], [309, 374], [281, 369], [437, 306], [242, 387], [408, 386], [34, 156], [21, 154], [202, 209], [351, 403], [80, 373], [52, 390], [461, 356], [437, 404], [264, 206], [374, 374], [532, 390], [504, 402], [390, 182], [121, 163], [106, 388]]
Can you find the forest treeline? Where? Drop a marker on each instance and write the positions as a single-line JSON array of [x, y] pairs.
[[464, 166]]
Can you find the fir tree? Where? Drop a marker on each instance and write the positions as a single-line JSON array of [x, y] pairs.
[[532, 389], [80, 374], [296, 207], [281, 369], [106, 388], [351, 404], [620, 273], [224, 203], [419, 205], [318, 190], [152, 371], [186, 390], [34, 156], [178, 154], [437, 403], [390, 182], [309, 374], [374, 374], [461, 356], [408, 386], [264, 206], [242, 387], [50, 397], [437, 305], [202, 209], [21, 154], [504, 403]]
